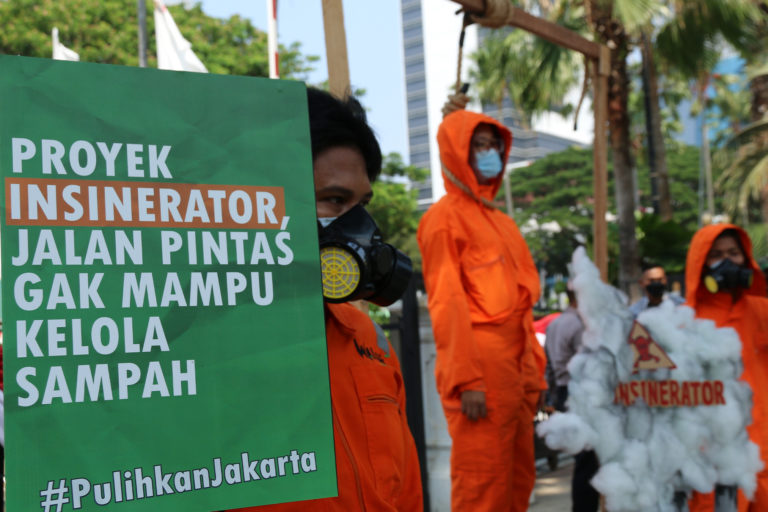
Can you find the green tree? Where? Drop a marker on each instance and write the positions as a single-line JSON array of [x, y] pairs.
[[611, 22], [691, 43], [744, 160], [666, 241], [553, 200], [394, 205], [554, 207], [686, 42], [106, 31]]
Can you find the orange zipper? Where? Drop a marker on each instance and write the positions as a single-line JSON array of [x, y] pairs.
[[355, 470]]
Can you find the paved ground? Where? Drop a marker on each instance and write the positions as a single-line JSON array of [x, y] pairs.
[[553, 489]]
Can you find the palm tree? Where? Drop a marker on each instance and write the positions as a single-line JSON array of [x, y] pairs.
[[493, 69], [657, 152], [534, 74], [690, 43], [609, 20], [745, 170]]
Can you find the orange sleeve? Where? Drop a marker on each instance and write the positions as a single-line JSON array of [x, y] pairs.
[[410, 497], [755, 358], [458, 368]]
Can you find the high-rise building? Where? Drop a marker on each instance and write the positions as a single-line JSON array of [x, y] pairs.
[[431, 31]]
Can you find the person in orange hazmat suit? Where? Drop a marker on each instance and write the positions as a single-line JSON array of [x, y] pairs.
[[724, 284], [481, 285], [377, 466]]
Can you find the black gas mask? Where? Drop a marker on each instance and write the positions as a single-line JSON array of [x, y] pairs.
[[357, 264], [727, 275]]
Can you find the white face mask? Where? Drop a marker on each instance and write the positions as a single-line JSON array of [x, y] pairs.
[[325, 221]]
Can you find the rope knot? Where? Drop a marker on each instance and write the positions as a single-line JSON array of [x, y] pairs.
[[497, 14]]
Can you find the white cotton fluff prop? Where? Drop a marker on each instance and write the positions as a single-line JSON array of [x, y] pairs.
[[648, 453]]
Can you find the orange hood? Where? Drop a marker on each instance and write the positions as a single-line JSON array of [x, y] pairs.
[[697, 256], [453, 137]]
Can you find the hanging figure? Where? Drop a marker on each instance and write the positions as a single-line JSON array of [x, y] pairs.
[[481, 285]]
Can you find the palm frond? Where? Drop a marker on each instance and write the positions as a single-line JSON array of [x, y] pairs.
[[756, 71], [634, 14], [756, 179], [748, 132]]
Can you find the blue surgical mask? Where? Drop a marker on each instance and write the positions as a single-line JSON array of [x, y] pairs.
[[489, 163], [325, 221]]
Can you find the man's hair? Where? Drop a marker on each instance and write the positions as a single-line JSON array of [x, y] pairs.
[[732, 233], [648, 264], [342, 123]]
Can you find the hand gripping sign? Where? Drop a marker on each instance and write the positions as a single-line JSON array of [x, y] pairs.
[[658, 399]]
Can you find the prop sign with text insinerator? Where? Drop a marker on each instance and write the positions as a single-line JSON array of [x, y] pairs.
[[648, 355], [164, 332]]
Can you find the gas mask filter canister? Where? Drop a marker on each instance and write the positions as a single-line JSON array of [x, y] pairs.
[[727, 275], [357, 264]]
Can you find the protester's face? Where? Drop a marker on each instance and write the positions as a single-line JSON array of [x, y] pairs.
[[654, 275], [725, 247], [483, 138], [341, 181]]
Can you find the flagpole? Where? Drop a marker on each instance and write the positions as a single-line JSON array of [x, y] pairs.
[[274, 59], [142, 7]]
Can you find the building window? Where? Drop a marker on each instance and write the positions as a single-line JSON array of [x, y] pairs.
[[413, 48], [422, 157], [417, 103]]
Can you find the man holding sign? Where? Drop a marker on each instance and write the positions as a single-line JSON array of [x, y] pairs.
[[377, 466]]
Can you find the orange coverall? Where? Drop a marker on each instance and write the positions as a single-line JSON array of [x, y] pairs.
[[481, 286], [377, 467], [748, 315]]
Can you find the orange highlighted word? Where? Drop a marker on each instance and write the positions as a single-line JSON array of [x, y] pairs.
[[57, 202]]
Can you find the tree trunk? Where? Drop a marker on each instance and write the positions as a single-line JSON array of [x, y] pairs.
[[758, 111], [759, 88], [611, 33], [706, 165], [764, 208], [655, 138]]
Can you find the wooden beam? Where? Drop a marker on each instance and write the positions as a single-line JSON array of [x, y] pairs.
[[552, 32], [336, 48]]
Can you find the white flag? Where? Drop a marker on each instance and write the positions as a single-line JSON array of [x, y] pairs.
[[61, 52], [173, 51]]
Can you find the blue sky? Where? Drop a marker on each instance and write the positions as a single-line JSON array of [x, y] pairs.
[[374, 48]]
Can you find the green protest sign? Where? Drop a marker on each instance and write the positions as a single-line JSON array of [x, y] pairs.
[[163, 322]]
